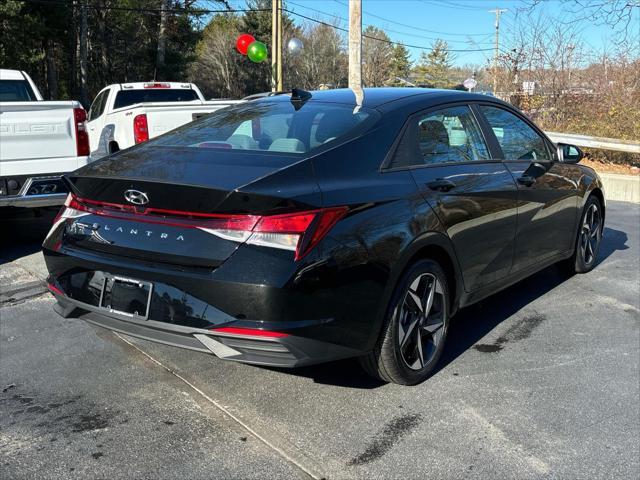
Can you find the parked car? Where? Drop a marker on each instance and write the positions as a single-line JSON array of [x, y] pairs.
[[39, 141], [125, 114], [303, 228]]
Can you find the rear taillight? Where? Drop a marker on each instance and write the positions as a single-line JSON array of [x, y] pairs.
[[140, 128], [298, 232], [68, 210], [82, 137]]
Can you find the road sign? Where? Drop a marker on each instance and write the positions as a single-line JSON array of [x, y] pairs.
[[528, 87], [470, 83]]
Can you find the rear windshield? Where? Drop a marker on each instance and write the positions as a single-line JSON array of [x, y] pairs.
[[16, 91], [124, 98], [275, 126]]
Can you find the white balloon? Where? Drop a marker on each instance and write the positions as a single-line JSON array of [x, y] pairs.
[[294, 46]]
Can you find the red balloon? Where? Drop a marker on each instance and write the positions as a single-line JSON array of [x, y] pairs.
[[243, 42]]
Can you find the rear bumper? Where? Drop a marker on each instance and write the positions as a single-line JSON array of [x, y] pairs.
[[43, 191], [286, 351]]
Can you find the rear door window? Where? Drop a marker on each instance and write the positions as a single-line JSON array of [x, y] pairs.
[[443, 136], [97, 107]]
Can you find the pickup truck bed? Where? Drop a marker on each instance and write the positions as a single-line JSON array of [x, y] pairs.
[[123, 115]]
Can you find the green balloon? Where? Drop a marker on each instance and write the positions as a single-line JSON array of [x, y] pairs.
[[257, 52]]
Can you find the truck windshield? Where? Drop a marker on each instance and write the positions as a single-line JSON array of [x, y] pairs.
[[16, 91], [124, 98]]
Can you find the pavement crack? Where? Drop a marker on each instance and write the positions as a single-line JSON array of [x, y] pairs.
[[22, 292]]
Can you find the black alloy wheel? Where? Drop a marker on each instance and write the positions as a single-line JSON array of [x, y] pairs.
[[414, 332], [589, 237]]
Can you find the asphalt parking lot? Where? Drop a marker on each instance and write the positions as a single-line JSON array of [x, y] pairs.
[[539, 381]]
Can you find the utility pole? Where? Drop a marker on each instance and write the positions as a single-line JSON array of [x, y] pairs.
[[276, 45], [355, 44], [279, 45], [498, 12]]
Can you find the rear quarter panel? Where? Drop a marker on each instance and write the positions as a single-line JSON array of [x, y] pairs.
[[367, 251]]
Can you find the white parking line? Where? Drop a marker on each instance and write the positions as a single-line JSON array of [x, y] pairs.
[[306, 469]]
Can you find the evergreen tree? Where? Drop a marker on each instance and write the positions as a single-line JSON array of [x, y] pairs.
[[400, 65], [433, 68]]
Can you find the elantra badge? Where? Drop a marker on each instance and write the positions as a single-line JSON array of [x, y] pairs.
[[136, 197]]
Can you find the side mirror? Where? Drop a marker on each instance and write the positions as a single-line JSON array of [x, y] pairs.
[[569, 153]]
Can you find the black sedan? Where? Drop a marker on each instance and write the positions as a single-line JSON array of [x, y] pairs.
[[306, 227]]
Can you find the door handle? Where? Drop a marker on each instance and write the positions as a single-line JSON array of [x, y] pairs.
[[441, 185], [526, 180]]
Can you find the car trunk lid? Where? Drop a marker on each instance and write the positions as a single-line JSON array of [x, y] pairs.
[[188, 207]]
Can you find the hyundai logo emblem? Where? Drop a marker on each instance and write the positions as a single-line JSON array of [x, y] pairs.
[[136, 197]]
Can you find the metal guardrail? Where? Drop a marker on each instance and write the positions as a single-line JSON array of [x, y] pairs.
[[629, 146]]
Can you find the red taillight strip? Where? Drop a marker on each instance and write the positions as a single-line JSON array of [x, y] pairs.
[[253, 332], [151, 210], [55, 290], [310, 226], [173, 218]]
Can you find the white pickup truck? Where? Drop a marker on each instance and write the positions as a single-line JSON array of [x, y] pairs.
[[39, 141], [125, 114]]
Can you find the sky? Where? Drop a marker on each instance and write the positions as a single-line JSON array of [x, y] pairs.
[[466, 25]]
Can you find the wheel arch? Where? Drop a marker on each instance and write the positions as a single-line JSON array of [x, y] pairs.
[[435, 246], [431, 245], [599, 194]]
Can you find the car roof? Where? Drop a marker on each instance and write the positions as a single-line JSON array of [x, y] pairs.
[[11, 74], [376, 97]]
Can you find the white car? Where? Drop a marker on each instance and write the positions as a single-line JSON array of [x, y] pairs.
[[39, 141], [125, 114]]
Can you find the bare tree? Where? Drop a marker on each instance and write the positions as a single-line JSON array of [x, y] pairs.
[[217, 67], [377, 57], [323, 59], [621, 15]]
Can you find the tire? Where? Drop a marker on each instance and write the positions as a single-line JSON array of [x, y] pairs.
[[588, 238], [398, 357]]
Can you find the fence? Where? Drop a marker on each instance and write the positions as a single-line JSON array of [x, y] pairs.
[[629, 146]]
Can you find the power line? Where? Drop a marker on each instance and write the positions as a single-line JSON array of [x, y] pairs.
[[385, 29], [391, 42], [190, 11], [413, 26], [454, 6], [241, 10]]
